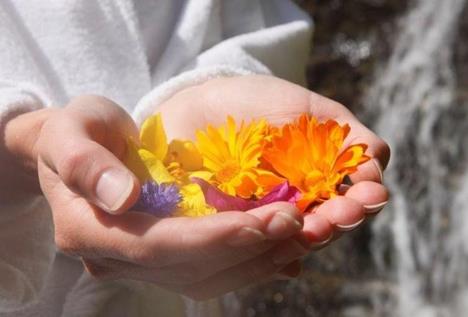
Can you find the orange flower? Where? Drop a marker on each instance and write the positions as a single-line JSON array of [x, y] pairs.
[[310, 155], [231, 157]]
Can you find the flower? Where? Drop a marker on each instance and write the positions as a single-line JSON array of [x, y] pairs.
[[145, 160], [196, 206], [158, 199], [231, 157], [309, 155], [224, 202], [152, 159]]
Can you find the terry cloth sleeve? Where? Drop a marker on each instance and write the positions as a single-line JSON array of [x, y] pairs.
[[229, 38], [23, 85], [26, 235]]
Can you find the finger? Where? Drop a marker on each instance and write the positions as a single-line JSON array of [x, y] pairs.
[[144, 239], [83, 148], [254, 271], [377, 149], [176, 274], [291, 271], [324, 108], [196, 271], [373, 196], [342, 212], [317, 229], [282, 219]]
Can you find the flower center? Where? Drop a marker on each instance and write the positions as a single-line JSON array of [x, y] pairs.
[[228, 172], [176, 170], [313, 178]]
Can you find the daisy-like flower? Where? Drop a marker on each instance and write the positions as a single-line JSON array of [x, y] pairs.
[[231, 157], [159, 200], [152, 159], [310, 155]]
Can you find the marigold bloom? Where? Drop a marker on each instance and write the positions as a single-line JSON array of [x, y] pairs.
[[231, 157], [165, 164], [310, 156]]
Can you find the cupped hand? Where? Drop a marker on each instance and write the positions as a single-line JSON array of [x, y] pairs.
[[78, 150], [279, 101]]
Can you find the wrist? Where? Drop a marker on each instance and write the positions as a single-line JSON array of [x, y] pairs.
[[18, 158]]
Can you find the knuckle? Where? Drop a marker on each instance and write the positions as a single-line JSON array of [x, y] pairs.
[[89, 100], [144, 256], [252, 251], [73, 164], [66, 244], [101, 120]]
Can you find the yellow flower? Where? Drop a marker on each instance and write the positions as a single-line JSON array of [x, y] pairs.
[[310, 155], [195, 205], [231, 157], [154, 159]]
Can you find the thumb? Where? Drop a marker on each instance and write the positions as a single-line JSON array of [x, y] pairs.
[[91, 171], [83, 148]]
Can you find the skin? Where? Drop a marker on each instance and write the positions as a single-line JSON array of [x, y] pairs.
[[67, 150]]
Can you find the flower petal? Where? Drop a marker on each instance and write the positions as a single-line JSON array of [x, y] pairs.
[[282, 192], [158, 199], [224, 202], [155, 167], [193, 202], [134, 162], [186, 154], [153, 137]]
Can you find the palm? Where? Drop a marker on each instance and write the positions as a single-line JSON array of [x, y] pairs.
[[279, 101], [257, 97]]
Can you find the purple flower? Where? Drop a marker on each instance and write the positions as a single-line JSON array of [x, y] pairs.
[[159, 200], [224, 202]]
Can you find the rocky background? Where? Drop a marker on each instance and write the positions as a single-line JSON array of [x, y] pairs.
[[352, 39]]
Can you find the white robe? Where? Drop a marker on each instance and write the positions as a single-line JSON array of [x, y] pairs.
[[137, 53]]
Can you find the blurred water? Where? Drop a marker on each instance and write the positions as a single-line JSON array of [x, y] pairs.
[[421, 241]]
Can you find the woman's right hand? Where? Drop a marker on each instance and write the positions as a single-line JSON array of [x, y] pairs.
[[78, 151]]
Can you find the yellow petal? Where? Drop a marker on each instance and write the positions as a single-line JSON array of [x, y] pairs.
[[153, 138], [193, 202], [155, 167], [134, 162], [205, 175], [186, 154]]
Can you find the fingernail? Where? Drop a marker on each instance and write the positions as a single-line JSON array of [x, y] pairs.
[[343, 188], [247, 236], [113, 188], [280, 222], [289, 254], [379, 168], [372, 209], [350, 227], [321, 243]]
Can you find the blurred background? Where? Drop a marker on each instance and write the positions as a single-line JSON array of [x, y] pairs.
[[402, 67]]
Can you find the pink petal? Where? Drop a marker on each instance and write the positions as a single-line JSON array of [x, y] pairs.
[[224, 202], [282, 192]]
